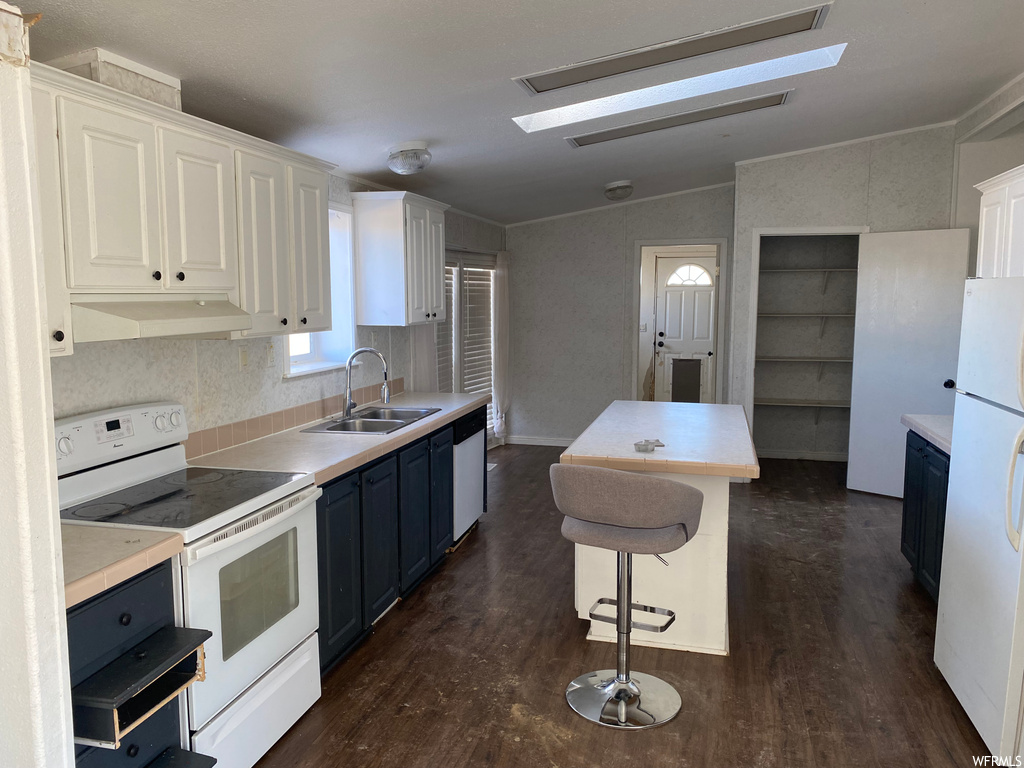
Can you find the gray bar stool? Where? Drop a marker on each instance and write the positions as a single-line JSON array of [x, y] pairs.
[[631, 514]]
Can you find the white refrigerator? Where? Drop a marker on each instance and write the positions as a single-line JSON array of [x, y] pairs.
[[979, 635]]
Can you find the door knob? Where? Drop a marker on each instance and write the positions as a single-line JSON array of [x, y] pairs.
[[661, 343], [949, 384]]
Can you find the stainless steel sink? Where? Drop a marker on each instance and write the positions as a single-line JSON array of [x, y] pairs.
[[375, 420], [356, 424], [400, 414]]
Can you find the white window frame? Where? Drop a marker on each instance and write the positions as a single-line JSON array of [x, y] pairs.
[[329, 350]]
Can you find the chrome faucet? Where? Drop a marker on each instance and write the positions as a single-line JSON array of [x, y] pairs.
[[385, 390]]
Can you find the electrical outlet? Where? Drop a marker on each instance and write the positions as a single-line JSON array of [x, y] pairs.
[[270, 355], [243, 357]]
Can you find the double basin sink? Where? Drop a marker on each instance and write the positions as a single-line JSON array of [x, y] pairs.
[[375, 420]]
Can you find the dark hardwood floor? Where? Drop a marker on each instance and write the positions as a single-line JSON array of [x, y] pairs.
[[830, 665]]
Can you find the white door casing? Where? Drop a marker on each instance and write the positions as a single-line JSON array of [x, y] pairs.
[[685, 316], [910, 288]]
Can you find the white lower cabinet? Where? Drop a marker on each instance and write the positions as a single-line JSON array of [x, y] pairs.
[[201, 230], [264, 269], [111, 199]]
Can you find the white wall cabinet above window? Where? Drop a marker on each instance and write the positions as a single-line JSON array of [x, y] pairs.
[[1001, 231], [399, 258]]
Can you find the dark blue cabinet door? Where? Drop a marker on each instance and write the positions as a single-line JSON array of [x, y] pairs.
[[913, 497], [340, 566], [442, 493], [933, 519], [379, 487], [414, 513]]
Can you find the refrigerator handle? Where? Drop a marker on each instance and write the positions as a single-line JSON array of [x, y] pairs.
[[1013, 532]]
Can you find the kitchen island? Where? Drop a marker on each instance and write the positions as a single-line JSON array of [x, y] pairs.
[[704, 446]]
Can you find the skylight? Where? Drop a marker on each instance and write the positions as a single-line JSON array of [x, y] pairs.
[[702, 85]]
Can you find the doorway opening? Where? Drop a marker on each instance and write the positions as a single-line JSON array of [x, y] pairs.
[[678, 322]]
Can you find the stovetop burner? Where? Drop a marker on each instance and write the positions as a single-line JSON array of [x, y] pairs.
[[180, 499]]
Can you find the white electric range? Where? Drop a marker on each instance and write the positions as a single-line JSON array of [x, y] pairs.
[[248, 571]]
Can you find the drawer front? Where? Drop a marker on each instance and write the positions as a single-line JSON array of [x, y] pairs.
[[106, 626], [139, 747]]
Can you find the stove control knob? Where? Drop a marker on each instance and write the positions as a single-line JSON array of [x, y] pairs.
[[65, 446], [160, 422], [175, 419]]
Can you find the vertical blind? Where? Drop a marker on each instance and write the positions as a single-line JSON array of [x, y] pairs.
[[465, 340]]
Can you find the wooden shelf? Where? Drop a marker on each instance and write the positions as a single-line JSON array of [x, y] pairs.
[[805, 314], [804, 359], [802, 403], [814, 269]]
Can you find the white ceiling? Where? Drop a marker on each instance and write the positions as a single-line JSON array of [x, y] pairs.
[[344, 81]]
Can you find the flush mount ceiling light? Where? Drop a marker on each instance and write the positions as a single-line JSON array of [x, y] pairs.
[[702, 85], [409, 158], [675, 50], [618, 190], [683, 118]]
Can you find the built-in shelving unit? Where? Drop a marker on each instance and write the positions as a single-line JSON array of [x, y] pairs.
[[804, 353]]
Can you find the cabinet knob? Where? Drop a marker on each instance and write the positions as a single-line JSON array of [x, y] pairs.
[[157, 275], [133, 750], [433, 314], [58, 335], [661, 334], [181, 276], [303, 321], [711, 354], [428, 314], [284, 321], [661, 343], [125, 619], [949, 384]]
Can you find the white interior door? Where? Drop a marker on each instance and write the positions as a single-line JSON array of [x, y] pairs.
[[910, 288], [685, 321]]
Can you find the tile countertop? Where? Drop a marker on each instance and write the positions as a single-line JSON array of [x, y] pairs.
[[936, 429], [97, 558], [330, 455], [700, 439]]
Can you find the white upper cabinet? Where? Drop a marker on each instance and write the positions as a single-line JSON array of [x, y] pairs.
[[264, 269], [111, 200], [399, 257], [311, 274], [199, 212], [1001, 226]]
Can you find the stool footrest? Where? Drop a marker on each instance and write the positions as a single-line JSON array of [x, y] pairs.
[[594, 615]]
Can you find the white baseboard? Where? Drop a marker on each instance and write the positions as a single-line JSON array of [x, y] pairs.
[[804, 455], [556, 442]]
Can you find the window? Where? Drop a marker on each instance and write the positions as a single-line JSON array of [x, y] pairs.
[[311, 352], [689, 274], [465, 340]]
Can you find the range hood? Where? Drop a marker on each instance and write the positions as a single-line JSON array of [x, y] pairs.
[[110, 317]]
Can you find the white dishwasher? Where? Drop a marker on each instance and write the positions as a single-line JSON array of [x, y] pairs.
[[470, 470]]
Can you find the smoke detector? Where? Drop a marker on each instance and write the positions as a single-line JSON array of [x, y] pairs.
[[409, 158], [618, 190]]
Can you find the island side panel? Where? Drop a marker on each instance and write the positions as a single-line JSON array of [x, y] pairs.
[[694, 584]]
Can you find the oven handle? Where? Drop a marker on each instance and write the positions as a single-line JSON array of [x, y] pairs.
[[246, 528]]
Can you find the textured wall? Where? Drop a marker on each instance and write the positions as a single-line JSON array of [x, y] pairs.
[[571, 293], [893, 183]]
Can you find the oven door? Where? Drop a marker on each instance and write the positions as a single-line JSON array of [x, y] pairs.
[[254, 585]]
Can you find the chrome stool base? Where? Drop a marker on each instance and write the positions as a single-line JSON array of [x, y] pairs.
[[644, 701]]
